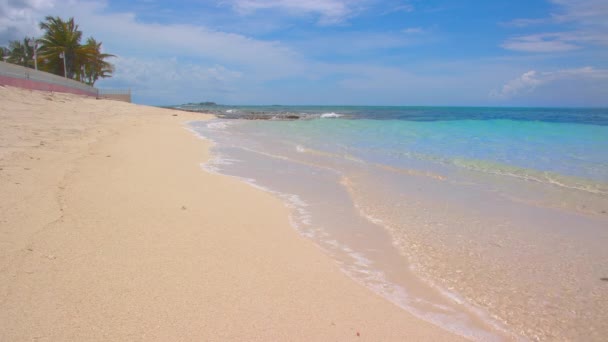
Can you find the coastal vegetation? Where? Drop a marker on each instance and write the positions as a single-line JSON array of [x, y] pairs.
[[61, 51]]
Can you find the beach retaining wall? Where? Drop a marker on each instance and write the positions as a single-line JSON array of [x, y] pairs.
[[22, 77]]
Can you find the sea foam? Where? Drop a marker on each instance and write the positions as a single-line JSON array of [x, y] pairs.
[[331, 115]]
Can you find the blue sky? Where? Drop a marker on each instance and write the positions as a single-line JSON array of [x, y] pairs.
[[360, 52]]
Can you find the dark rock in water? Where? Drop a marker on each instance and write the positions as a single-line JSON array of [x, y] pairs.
[[260, 116], [206, 103]]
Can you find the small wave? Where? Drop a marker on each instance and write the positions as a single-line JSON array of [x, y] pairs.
[[230, 111], [214, 165], [331, 115], [217, 125]]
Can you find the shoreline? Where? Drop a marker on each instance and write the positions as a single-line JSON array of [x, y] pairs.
[[456, 232], [366, 251], [112, 231]]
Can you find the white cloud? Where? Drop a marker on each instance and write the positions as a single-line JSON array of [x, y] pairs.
[[329, 11], [19, 18], [525, 83], [529, 81]]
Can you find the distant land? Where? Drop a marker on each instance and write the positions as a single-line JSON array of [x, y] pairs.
[[206, 103]]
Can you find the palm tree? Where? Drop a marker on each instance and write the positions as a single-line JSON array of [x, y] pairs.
[[85, 63], [61, 53], [21, 53], [4, 52], [95, 66], [61, 40]]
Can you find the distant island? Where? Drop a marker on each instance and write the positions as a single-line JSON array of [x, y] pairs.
[[207, 103]]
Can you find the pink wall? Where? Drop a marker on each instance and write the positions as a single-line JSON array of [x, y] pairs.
[[37, 85]]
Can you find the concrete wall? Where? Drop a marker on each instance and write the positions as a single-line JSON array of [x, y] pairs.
[[18, 76]]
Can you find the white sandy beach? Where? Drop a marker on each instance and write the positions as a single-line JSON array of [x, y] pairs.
[[110, 230]]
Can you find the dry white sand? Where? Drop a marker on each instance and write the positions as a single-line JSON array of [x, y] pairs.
[[110, 230]]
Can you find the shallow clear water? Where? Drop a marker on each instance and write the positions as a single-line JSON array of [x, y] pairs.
[[489, 222]]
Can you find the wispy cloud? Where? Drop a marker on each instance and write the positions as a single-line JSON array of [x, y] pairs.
[[555, 41], [360, 44], [406, 7], [413, 30], [587, 12], [545, 42], [399, 7], [329, 11], [587, 16], [525, 22], [529, 81]]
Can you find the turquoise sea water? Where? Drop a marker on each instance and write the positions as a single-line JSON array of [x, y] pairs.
[[500, 213], [512, 148], [567, 142]]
